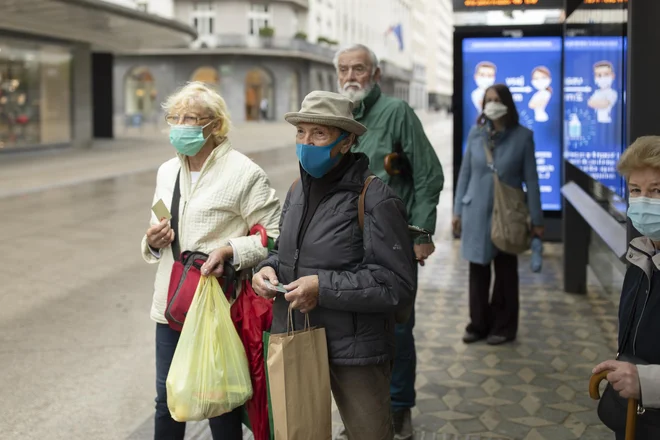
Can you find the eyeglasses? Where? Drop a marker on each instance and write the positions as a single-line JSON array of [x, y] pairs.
[[185, 120]]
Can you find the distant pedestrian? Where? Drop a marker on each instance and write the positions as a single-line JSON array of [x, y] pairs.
[[494, 317], [263, 108]]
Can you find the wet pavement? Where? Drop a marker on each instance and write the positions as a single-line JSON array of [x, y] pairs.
[[77, 344]]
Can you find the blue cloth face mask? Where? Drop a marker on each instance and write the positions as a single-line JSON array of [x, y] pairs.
[[316, 160], [644, 213], [188, 139]]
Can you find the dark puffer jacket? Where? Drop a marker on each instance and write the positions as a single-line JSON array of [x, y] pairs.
[[364, 276]]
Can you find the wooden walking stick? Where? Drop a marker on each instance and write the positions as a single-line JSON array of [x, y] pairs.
[[631, 418]]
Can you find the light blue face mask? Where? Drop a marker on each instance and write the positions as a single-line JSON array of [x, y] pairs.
[[188, 139], [316, 160], [644, 213]]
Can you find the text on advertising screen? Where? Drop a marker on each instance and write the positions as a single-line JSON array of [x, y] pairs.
[[531, 68], [594, 107]]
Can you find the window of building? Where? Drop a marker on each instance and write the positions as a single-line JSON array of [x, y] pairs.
[[259, 16], [203, 18], [35, 93]]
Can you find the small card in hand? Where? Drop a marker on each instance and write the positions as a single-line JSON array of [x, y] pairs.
[[161, 210]]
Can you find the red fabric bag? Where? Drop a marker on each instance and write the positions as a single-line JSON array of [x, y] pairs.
[[186, 272], [252, 316]]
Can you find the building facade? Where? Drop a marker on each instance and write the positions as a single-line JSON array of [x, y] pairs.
[[255, 54], [47, 61], [263, 53]]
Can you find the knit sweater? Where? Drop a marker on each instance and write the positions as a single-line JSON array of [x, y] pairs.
[[231, 195]]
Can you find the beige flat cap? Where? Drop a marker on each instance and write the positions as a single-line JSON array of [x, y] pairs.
[[327, 108]]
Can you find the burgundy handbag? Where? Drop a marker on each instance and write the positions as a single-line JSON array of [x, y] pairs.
[[186, 272]]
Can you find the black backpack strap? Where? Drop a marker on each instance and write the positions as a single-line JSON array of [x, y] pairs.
[[174, 208]]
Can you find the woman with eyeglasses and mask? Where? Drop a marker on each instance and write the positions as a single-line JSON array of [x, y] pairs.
[[512, 148], [223, 194]]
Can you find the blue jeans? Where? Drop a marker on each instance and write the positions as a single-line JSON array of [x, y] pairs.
[[402, 387], [225, 427]]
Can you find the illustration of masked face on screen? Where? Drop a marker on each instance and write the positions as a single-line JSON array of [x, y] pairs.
[[484, 77], [541, 80], [604, 98]]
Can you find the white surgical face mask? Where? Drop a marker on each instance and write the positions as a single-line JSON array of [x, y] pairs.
[[358, 95], [604, 82], [541, 83], [483, 82], [495, 110]]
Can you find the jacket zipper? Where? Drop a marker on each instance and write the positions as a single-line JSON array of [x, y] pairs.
[[300, 235], [641, 316], [185, 202]]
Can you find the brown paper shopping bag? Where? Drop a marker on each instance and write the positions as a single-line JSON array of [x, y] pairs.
[[299, 378]]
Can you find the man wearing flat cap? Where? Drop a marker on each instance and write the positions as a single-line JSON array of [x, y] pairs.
[[350, 271]]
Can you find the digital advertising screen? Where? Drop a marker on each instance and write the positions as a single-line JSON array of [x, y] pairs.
[[531, 68], [594, 109]]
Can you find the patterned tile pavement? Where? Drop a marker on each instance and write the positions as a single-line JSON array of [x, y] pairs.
[[532, 389]]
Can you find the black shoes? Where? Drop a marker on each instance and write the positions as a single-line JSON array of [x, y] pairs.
[[498, 340], [469, 338]]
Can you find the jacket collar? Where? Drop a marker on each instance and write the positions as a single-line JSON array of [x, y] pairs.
[[353, 178], [219, 151], [642, 253], [368, 102]]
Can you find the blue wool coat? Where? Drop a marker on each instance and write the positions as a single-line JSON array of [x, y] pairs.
[[516, 164]]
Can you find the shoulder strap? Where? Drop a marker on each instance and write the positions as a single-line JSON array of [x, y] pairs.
[[293, 185], [489, 154], [361, 200], [174, 207]]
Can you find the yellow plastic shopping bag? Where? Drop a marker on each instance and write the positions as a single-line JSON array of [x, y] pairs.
[[209, 375]]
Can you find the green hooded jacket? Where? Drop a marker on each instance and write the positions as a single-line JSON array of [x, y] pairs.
[[391, 121]]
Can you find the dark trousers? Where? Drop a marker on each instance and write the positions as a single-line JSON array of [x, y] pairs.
[[363, 400], [225, 427], [497, 315], [402, 387]]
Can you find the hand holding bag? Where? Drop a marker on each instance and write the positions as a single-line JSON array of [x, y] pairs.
[[510, 224], [186, 272]]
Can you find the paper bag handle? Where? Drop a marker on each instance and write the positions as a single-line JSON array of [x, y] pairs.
[[289, 324]]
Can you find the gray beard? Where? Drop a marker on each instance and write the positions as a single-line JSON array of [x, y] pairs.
[[356, 96]]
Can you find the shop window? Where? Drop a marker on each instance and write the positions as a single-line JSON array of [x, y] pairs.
[[140, 96], [259, 93], [35, 94]]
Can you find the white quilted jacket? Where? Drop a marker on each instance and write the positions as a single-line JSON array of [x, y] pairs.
[[231, 195]]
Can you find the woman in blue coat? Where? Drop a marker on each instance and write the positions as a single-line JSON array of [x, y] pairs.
[[513, 155]]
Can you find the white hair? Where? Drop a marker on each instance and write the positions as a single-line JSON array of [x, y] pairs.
[[355, 47], [199, 94]]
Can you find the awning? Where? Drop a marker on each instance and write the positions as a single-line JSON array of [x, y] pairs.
[[105, 25]]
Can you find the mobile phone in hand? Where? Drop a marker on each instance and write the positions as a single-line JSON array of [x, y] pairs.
[[279, 287]]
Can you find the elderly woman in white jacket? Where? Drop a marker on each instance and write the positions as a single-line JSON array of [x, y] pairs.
[[223, 195]]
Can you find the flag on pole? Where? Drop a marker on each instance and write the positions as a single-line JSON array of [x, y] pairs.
[[398, 33]]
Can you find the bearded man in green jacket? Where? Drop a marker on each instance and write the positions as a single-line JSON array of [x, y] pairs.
[[401, 155]]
